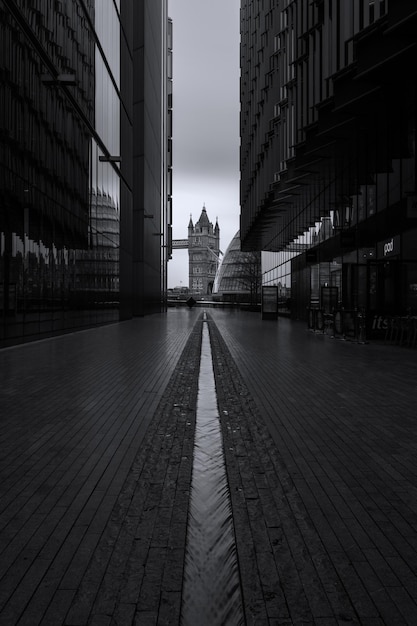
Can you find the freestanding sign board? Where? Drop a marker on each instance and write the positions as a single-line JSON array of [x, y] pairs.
[[270, 303]]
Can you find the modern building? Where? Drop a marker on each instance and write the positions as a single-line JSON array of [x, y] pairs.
[[203, 254], [152, 154], [85, 199], [238, 277], [328, 152]]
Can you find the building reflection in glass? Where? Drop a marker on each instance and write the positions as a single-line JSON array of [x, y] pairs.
[[60, 204]]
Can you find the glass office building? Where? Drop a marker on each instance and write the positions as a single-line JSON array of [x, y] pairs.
[[69, 235], [328, 158], [152, 152]]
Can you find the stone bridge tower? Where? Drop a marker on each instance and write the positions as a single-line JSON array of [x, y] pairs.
[[203, 254]]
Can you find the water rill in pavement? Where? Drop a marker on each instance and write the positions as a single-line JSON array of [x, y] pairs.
[[211, 590]]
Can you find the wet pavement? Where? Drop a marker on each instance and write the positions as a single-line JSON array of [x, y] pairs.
[[97, 437], [211, 590]]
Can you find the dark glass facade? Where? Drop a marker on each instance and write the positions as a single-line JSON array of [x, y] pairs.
[[328, 162], [67, 157], [152, 103]]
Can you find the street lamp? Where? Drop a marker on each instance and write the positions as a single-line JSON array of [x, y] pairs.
[[67, 80], [110, 159]]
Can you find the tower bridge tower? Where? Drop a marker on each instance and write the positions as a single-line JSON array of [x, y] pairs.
[[203, 253], [203, 245]]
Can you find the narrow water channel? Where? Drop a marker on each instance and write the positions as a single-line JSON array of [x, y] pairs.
[[211, 590]]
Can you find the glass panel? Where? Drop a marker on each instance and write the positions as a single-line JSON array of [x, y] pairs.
[[59, 228]]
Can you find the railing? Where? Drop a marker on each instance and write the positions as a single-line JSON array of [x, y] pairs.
[[401, 330], [342, 323]]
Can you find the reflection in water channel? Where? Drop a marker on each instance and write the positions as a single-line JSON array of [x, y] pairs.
[[211, 581]]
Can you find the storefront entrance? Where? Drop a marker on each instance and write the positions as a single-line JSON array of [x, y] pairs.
[[385, 298], [385, 287]]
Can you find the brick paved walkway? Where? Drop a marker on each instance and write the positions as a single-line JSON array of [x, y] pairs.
[[75, 411], [96, 439], [326, 503]]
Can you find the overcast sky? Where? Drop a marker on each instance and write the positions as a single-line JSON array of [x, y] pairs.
[[206, 120]]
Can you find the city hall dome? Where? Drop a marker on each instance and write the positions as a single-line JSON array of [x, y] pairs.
[[238, 278]]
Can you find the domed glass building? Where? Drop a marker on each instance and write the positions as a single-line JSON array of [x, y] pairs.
[[238, 278]]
